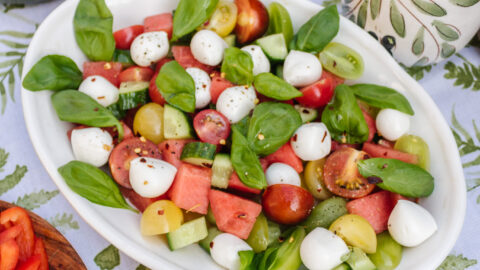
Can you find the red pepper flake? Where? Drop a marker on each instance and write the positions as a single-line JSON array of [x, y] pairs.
[[211, 244], [161, 212], [294, 138], [94, 79], [167, 146], [324, 136], [101, 97], [149, 166], [107, 66], [95, 109]]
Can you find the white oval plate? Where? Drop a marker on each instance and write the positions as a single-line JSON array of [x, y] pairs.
[[121, 227]]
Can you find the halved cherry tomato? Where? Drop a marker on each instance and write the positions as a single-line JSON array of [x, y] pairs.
[[136, 74], [252, 20], [108, 70], [124, 152], [10, 233], [160, 22], [39, 250], [287, 204], [32, 263], [219, 84], [317, 94], [341, 175], [183, 55], [211, 126], [125, 36], [9, 254], [342, 61], [26, 240], [172, 150], [153, 91], [379, 151], [141, 203], [372, 128], [223, 19]]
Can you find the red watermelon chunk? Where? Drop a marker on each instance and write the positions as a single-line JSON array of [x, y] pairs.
[[160, 22], [233, 214], [219, 84], [378, 151], [108, 70], [190, 188], [172, 150], [372, 127], [183, 55], [285, 154], [235, 183]]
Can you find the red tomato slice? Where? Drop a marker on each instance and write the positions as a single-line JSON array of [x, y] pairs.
[[136, 74], [9, 254], [39, 250], [285, 154], [317, 94], [141, 203], [252, 20], [183, 55], [32, 263], [18, 216], [124, 152], [108, 70], [160, 22], [372, 128], [219, 84], [10, 233], [211, 126], [341, 175], [172, 150], [125, 36], [153, 91], [336, 80], [379, 151]]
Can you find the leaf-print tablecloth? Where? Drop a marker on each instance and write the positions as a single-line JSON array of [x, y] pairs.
[[453, 84]]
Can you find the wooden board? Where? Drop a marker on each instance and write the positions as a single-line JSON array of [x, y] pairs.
[[61, 254]]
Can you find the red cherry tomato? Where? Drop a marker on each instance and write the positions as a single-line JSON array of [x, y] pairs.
[[341, 175], [125, 36], [108, 70], [9, 254], [153, 91], [211, 126], [317, 94], [160, 22], [141, 203], [287, 204], [39, 250], [252, 20], [372, 127], [26, 240], [136, 74]]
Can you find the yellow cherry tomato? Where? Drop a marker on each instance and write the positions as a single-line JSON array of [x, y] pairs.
[[355, 231], [313, 176], [161, 217], [223, 19], [148, 122]]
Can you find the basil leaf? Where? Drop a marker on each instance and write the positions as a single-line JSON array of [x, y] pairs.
[[77, 107], [271, 126], [124, 57], [287, 254], [237, 66], [53, 72], [344, 118], [243, 125], [249, 259], [177, 86], [397, 176], [317, 32], [279, 21], [382, 97], [93, 23], [245, 162], [272, 86], [190, 14], [93, 184]]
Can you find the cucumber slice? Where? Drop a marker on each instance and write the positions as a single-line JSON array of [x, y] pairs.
[[222, 170], [199, 153], [212, 233], [117, 112], [176, 124], [307, 114], [274, 46], [189, 233], [358, 260], [132, 94], [230, 40]]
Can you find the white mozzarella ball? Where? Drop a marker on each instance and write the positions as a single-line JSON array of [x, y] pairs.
[[311, 141], [100, 89], [207, 47], [202, 87], [301, 68], [92, 145], [260, 60], [321, 249], [149, 48], [410, 224], [224, 250], [236, 102], [151, 177], [281, 173], [392, 124]]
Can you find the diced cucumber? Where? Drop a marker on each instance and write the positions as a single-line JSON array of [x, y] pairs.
[[189, 233], [117, 112], [199, 153], [176, 124], [358, 260], [132, 94], [307, 114], [230, 40], [222, 170], [212, 233], [274, 46], [210, 217]]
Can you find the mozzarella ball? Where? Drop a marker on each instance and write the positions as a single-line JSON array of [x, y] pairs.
[[236, 102], [311, 141], [100, 89], [92, 145], [322, 249], [151, 177], [149, 48], [281, 173], [392, 124], [301, 68], [224, 250], [202, 87], [207, 47], [410, 224], [260, 61]]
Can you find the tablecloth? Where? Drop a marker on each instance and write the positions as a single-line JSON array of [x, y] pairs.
[[453, 84]]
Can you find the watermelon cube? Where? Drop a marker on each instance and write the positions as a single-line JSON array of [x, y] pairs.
[[285, 154], [233, 214], [235, 183]]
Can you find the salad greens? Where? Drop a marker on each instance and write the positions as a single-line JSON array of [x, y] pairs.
[[190, 14], [176, 86], [382, 97], [124, 57], [237, 66], [272, 86]]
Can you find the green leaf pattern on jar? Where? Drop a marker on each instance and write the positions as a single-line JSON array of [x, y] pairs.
[[430, 8]]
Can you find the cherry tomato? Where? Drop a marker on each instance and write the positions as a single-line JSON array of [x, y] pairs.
[[314, 179], [341, 175], [161, 217], [125, 36], [9, 254], [172, 150], [223, 19], [148, 122], [26, 240], [342, 61], [287, 204], [355, 231], [39, 250], [317, 94], [252, 20], [136, 74], [108, 70], [153, 91], [141, 203], [211, 126]]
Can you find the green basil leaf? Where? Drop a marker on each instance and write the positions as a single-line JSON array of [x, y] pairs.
[[344, 118], [190, 14], [279, 21], [243, 125], [77, 107], [317, 32], [237, 66], [93, 184], [249, 260], [272, 86], [397, 176], [382, 97], [245, 162], [124, 57], [287, 254], [271, 126], [93, 23], [53, 72], [177, 86]]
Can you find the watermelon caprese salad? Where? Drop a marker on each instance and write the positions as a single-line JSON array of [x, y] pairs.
[[225, 128]]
